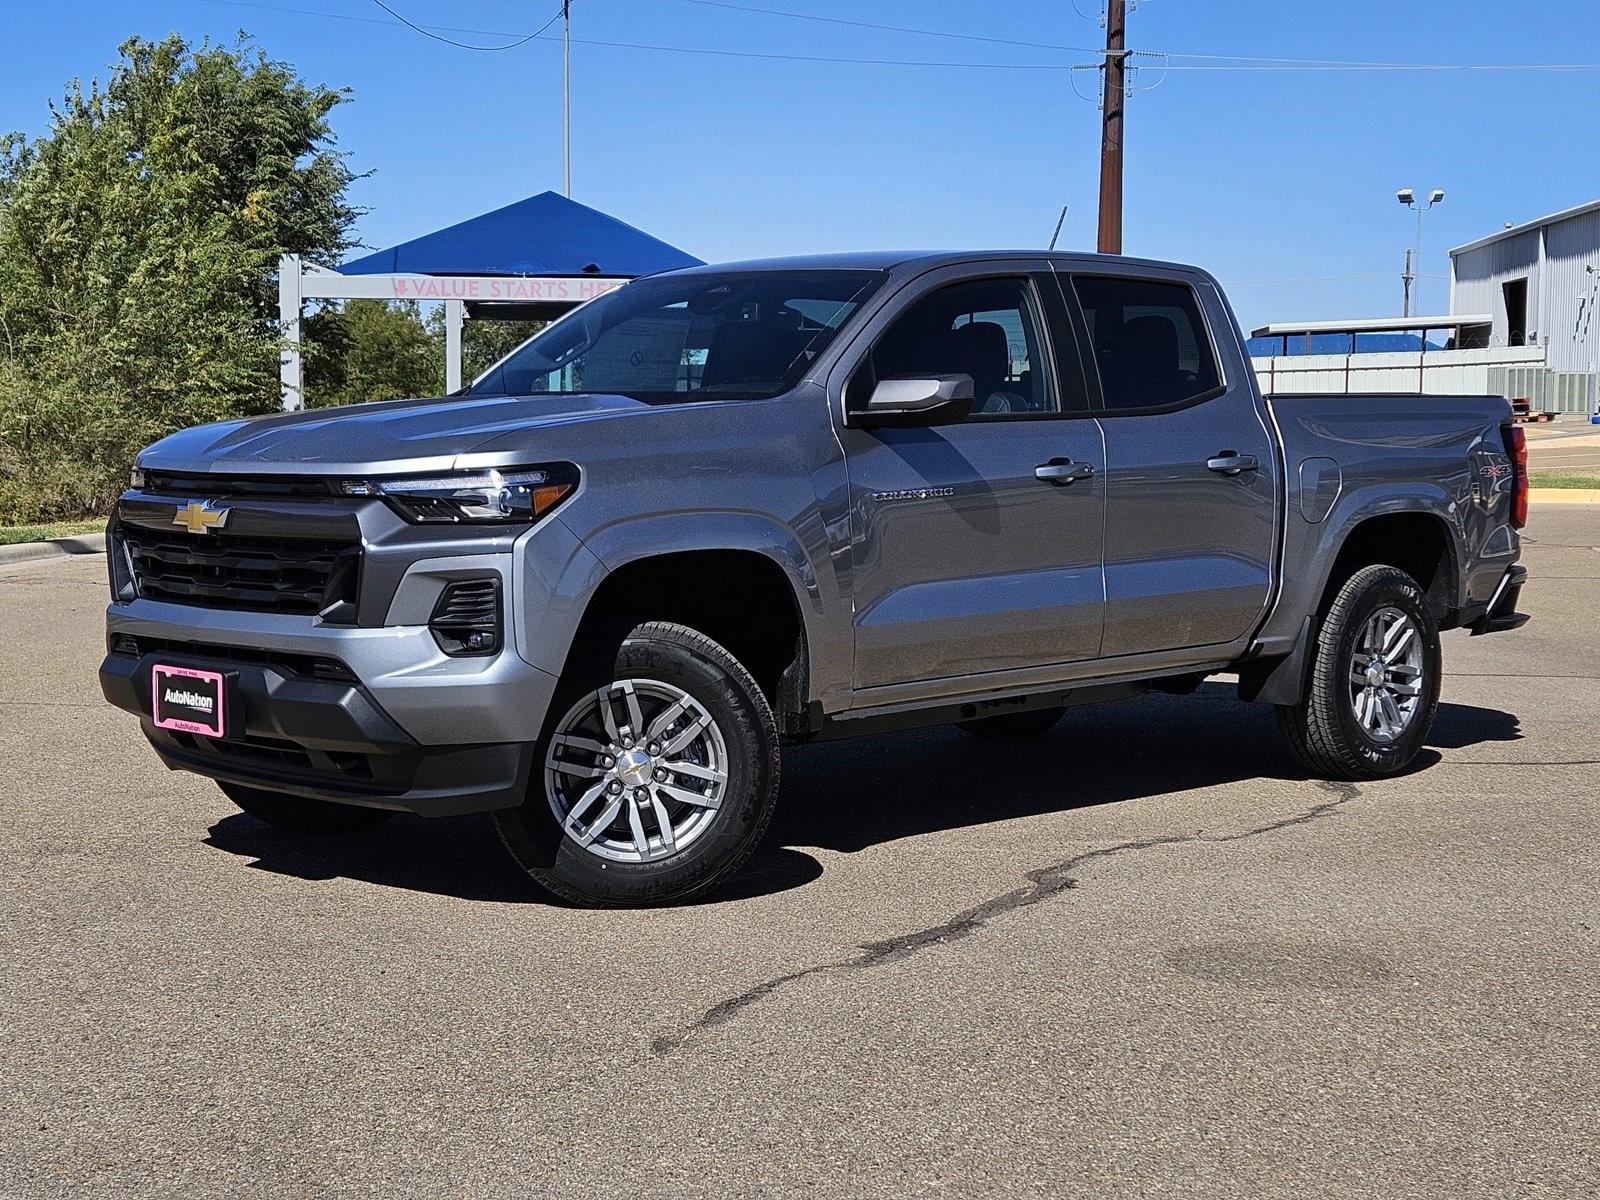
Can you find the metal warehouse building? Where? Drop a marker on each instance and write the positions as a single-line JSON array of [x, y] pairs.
[[1541, 282]]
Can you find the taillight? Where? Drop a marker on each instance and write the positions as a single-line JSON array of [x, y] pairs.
[[1517, 449]]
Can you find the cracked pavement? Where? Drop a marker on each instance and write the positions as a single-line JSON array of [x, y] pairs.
[[1144, 955]]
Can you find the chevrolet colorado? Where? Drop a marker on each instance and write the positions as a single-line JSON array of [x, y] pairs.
[[729, 507]]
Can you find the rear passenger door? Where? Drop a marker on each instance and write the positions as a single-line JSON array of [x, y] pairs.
[[1190, 474], [975, 544]]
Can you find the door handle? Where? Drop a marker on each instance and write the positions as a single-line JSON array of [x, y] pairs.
[[1231, 462], [1063, 471]]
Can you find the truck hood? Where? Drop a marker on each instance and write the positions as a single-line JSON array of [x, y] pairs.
[[398, 436]]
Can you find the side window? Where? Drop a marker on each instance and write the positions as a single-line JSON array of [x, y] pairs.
[[1150, 342], [987, 328]]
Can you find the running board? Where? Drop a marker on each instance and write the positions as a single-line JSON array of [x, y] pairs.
[[903, 716]]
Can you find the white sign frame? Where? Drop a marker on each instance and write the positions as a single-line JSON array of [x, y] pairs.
[[300, 281]]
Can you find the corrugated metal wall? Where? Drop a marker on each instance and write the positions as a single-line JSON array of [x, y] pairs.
[[1480, 274], [1546, 390], [1571, 326], [1563, 290]]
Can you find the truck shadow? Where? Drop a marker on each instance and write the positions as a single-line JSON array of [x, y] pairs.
[[452, 856], [850, 795]]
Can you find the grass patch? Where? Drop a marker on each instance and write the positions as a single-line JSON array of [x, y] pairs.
[[1564, 479], [10, 535]]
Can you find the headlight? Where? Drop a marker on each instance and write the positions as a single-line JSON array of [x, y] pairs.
[[136, 478], [520, 494]]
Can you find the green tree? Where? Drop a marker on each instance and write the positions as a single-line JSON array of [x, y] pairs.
[[375, 350], [138, 244], [485, 342], [370, 350]]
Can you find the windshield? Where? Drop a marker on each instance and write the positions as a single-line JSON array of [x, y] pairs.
[[736, 335]]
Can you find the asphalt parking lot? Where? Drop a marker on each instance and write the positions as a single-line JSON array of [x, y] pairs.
[[1142, 955], [1569, 444]]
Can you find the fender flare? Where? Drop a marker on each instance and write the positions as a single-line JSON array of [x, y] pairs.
[[658, 535]]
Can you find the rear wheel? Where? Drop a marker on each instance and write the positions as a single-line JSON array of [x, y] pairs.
[[659, 775], [300, 813], [1019, 725], [1374, 686]]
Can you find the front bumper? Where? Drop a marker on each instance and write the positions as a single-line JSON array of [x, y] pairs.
[[293, 730], [358, 703]]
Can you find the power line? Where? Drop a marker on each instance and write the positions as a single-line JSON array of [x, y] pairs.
[[1236, 283], [937, 33], [540, 35], [1247, 62], [333, 16], [1211, 62], [823, 58], [425, 32]]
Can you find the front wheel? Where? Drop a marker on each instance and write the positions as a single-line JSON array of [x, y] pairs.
[[1374, 685], [659, 775]]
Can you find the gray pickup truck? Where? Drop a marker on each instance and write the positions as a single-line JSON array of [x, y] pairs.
[[726, 508]]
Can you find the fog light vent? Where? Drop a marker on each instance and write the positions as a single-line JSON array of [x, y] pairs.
[[466, 620]]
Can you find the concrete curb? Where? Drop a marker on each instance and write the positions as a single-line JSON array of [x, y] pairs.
[[88, 543], [1564, 495]]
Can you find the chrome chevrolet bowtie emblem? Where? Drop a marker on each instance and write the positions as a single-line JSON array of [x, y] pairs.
[[197, 517]]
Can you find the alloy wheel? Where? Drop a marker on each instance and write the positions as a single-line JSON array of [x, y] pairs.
[[636, 771], [1386, 674]]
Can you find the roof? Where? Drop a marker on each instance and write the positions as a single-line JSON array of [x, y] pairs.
[[1512, 231], [885, 260], [547, 234], [1372, 325]]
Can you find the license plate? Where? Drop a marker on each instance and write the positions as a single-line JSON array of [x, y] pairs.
[[188, 700]]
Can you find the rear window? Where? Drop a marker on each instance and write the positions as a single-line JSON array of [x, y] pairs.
[[1150, 342]]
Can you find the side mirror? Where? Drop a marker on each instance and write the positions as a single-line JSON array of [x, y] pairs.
[[925, 400]]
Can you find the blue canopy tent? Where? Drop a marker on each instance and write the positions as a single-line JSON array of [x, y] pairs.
[[547, 234], [537, 258]]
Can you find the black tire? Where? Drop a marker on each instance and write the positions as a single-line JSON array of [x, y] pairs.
[[685, 659], [1323, 728], [302, 814], [1016, 726]]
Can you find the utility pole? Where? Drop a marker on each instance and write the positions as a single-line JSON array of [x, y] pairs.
[[566, 98], [1110, 241]]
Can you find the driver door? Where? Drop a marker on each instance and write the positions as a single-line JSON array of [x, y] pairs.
[[966, 560]]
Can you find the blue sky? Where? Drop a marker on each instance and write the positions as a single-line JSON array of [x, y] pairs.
[[1282, 182]]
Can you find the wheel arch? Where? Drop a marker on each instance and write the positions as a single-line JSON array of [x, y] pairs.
[[1409, 533], [1416, 539], [741, 597]]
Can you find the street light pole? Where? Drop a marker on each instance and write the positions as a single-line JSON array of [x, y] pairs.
[[1408, 197]]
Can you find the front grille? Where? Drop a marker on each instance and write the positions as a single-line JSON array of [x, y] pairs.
[[309, 666], [256, 574], [299, 487]]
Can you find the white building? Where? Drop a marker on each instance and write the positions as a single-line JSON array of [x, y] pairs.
[[1541, 283]]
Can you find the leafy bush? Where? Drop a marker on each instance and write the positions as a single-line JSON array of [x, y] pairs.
[[139, 238]]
